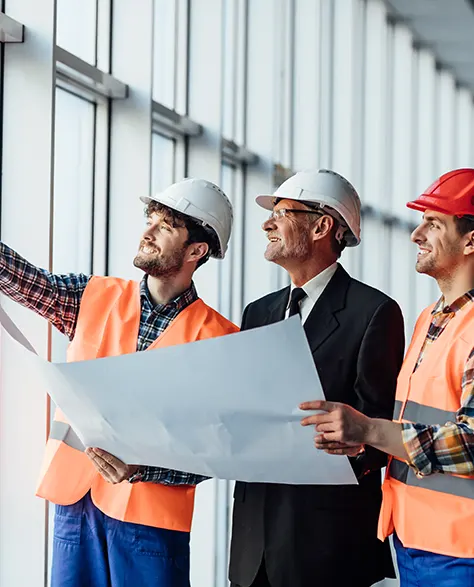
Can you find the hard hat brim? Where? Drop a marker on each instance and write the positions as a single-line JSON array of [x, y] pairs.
[[265, 202], [422, 205]]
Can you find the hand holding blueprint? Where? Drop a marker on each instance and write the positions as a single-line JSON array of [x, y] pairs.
[[224, 407]]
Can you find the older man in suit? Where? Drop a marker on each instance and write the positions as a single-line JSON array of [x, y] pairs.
[[322, 535]]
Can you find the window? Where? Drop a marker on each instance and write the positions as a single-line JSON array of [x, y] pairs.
[[76, 28], [163, 171]]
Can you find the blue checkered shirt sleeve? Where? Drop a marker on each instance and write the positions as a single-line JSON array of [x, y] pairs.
[[166, 476]]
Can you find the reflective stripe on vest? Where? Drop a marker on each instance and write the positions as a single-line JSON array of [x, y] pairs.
[[415, 412], [435, 512], [108, 325], [461, 486]]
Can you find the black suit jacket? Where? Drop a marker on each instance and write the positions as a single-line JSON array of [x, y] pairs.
[[325, 535]]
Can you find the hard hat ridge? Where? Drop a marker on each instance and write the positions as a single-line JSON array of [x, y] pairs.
[[451, 194]]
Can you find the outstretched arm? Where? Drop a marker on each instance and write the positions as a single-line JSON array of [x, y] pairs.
[[54, 297]]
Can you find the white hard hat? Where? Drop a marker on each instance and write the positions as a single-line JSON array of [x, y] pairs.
[[328, 189], [202, 201]]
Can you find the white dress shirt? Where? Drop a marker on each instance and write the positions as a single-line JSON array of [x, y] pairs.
[[313, 289]]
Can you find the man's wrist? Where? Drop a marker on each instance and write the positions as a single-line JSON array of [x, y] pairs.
[[386, 436], [372, 432], [136, 474]]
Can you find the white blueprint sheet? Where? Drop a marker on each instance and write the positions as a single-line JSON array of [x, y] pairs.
[[225, 407]]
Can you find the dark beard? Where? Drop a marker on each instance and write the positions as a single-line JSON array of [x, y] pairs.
[[164, 267]]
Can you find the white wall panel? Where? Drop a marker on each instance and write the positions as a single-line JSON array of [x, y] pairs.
[[402, 152], [347, 113], [261, 115], [205, 107], [426, 115], [374, 250], [464, 124], [204, 160], [403, 163], [445, 123], [130, 154], [306, 90], [164, 51], [376, 123], [327, 73], [27, 170]]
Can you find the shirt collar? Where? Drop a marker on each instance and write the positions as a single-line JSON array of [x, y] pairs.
[[315, 286], [180, 302], [455, 306]]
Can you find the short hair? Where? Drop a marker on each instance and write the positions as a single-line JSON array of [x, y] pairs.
[[196, 231], [464, 224], [336, 246]]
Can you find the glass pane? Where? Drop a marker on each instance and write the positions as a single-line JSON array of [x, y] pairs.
[[373, 249], [226, 265], [402, 275], [73, 181], [229, 59], [73, 201], [76, 27], [164, 52], [163, 167]]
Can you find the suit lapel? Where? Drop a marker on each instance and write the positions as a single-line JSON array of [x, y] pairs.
[[323, 321], [277, 307]]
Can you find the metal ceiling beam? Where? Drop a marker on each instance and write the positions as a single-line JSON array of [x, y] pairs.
[[11, 31], [237, 155], [170, 122], [75, 71]]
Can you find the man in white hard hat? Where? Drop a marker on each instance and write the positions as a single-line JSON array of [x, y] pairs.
[[306, 535], [118, 525]]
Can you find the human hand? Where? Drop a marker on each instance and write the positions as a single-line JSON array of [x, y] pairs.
[[341, 429], [111, 468], [339, 448]]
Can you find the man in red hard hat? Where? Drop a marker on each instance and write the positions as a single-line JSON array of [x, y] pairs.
[[428, 500]]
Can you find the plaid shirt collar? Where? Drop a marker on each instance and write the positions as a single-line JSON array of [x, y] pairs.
[[455, 306], [179, 303]]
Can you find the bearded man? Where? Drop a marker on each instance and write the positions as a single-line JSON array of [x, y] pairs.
[[118, 524]]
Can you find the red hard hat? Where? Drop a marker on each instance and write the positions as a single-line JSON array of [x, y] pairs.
[[452, 194]]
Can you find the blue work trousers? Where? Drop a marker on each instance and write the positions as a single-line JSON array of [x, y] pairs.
[[92, 550], [419, 568]]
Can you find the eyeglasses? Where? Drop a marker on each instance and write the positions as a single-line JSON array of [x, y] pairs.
[[282, 212]]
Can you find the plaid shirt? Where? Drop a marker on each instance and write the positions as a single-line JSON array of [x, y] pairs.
[[448, 448], [58, 297]]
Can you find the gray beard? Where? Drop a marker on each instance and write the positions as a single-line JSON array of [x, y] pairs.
[[299, 250]]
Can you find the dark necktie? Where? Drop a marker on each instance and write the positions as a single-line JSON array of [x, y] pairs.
[[297, 295]]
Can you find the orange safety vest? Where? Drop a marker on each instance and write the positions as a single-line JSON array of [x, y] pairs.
[[434, 513], [107, 326]]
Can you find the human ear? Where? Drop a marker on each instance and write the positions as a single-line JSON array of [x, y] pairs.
[[469, 244], [197, 251], [323, 227]]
